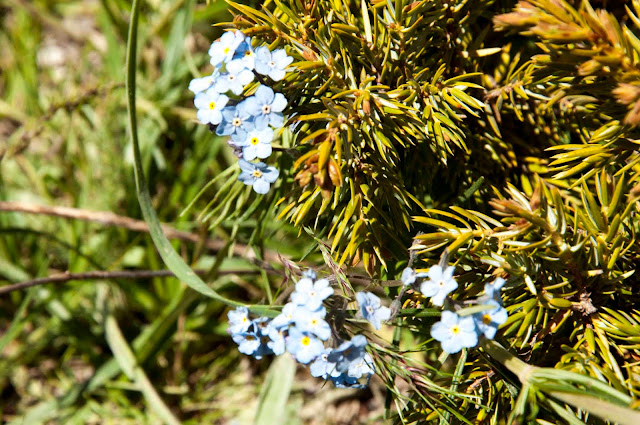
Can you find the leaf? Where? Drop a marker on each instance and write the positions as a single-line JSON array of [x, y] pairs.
[[275, 392], [127, 362]]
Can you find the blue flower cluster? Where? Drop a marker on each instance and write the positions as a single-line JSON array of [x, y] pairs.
[[301, 330], [455, 331], [251, 122]]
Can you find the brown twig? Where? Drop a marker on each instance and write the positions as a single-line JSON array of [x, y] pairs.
[[108, 218], [100, 275]]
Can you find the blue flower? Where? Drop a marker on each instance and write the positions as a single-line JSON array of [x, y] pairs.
[[276, 338], [322, 367], [198, 85], [492, 291], [273, 63], [305, 347], [236, 121], [257, 175], [346, 381], [285, 318], [371, 309], [210, 106], [455, 332], [238, 320], [235, 79], [310, 274], [245, 54], [348, 352], [311, 294], [223, 49], [409, 276], [267, 106], [439, 285], [313, 322], [248, 341], [488, 321], [256, 144], [361, 366]]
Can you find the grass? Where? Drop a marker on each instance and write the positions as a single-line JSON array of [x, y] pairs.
[[126, 350]]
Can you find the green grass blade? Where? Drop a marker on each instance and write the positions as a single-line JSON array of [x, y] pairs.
[[127, 361], [275, 392]]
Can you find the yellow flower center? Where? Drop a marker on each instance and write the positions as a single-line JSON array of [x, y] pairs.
[[486, 319], [212, 105], [314, 322], [237, 122], [226, 50], [455, 330], [266, 109], [305, 341], [254, 140], [248, 53], [257, 174]]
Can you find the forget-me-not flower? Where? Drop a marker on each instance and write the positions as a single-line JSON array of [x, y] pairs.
[[266, 106], [311, 294], [322, 367], [245, 54], [439, 285], [409, 276], [304, 346], [273, 63], [455, 332], [235, 79], [488, 321], [492, 290], [310, 274], [223, 49], [276, 339], [361, 366], [257, 175], [198, 85], [210, 105], [248, 341], [236, 121], [313, 322], [348, 352], [346, 381], [256, 144], [238, 320], [285, 318], [371, 309]]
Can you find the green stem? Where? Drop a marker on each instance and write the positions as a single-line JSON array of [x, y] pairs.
[[170, 257]]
